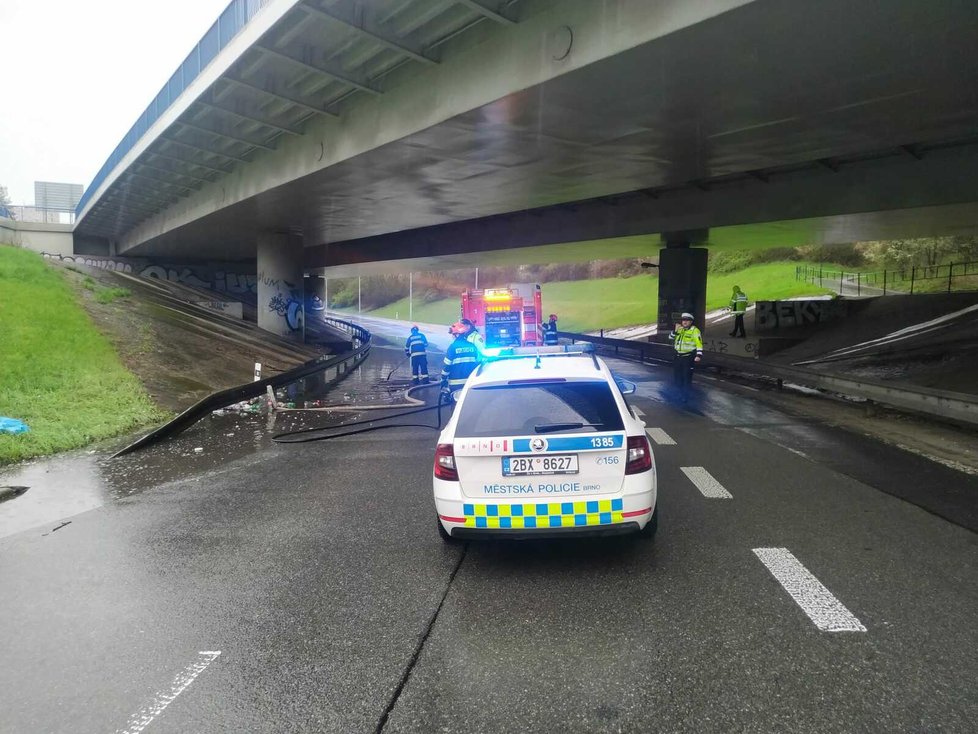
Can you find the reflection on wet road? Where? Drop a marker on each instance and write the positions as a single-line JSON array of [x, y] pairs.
[[76, 482]]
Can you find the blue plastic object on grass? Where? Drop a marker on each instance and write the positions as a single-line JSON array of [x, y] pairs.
[[12, 425]]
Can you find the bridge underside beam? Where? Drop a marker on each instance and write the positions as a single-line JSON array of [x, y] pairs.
[[897, 196]]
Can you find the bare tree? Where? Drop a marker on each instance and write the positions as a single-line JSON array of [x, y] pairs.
[[5, 202]]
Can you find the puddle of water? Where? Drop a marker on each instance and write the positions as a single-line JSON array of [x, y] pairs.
[[381, 379], [68, 482], [76, 482]]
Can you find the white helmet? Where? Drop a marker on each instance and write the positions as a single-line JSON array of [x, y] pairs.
[[686, 315]]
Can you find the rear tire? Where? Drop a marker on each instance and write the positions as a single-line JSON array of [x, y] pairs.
[[445, 536], [648, 532]]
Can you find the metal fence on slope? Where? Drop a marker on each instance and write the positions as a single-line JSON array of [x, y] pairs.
[[947, 278]]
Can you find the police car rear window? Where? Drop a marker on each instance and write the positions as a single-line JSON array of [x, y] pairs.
[[517, 410]]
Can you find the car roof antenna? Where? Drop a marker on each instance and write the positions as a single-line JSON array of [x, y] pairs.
[[537, 365]]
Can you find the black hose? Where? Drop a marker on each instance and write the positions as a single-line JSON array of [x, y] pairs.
[[300, 436], [396, 368]]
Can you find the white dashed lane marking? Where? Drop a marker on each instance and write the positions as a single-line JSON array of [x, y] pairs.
[[705, 483], [144, 717], [660, 437], [827, 612], [639, 412]]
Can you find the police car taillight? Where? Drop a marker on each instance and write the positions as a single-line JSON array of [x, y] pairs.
[[445, 463], [639, 455]]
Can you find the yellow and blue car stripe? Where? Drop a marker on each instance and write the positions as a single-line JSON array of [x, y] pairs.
[[543, 514]]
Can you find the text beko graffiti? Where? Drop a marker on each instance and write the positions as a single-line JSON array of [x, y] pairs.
[[787, 314]]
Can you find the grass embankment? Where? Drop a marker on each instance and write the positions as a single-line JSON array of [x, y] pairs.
[[607, 303], [58, 374]]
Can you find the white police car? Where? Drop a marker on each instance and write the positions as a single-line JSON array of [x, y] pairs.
[[541, 443]]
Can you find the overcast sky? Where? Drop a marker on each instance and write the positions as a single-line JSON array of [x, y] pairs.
[[76, 76]]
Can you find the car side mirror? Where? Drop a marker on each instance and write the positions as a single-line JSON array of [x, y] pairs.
[[626, 387]]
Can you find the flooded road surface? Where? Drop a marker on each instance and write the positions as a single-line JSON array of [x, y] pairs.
[[75, 482], [311, 583]]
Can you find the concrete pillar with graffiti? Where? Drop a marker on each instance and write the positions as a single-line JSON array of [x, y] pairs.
[[280, 297]]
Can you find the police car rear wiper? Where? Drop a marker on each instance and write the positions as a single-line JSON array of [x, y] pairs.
[[552, 427]]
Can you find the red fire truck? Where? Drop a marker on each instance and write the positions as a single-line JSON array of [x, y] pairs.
[[507, 317]]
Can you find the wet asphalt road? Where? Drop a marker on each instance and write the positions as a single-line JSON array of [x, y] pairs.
[[316, 571]]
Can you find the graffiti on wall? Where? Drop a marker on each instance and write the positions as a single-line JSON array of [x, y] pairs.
[[199, 276], [92, 262], [736, 347], [286, 302], [789, 314]]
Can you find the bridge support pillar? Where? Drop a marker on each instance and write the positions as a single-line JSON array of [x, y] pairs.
[[682, 279], [280, 296]]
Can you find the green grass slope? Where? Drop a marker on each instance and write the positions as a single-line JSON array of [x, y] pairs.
[[767, 282], [58, 374]]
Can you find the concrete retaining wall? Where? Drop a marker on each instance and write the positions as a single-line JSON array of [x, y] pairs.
[[53, 238]]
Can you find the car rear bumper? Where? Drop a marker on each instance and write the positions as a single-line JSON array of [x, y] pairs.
[[523, 520], [623, 528], [533, 516]]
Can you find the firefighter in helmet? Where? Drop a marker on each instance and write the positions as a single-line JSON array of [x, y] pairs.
[[461, 357], [416, 348], [473, 335], [550, 331]]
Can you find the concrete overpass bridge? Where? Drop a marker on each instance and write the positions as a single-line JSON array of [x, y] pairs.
[[368, 136]]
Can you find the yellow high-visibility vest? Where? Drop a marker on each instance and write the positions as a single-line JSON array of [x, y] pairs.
[[687, 340]]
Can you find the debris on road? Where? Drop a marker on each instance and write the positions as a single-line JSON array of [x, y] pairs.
[[9, 493]]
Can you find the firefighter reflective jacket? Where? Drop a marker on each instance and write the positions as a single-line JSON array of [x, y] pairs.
[[416, 344], [461, 359], [475, 338], [686, 341]]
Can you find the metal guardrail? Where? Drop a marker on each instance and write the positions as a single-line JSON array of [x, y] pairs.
[[37, 214], [342, 363], [942, 404], [645, 350]]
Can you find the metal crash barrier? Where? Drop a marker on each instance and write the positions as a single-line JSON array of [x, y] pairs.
[[341, 363], [942, 404]]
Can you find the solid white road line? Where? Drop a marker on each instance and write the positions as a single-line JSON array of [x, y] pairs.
[[639, 412], [660, 437], [142, 718], [705, 482], [827, 612]]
